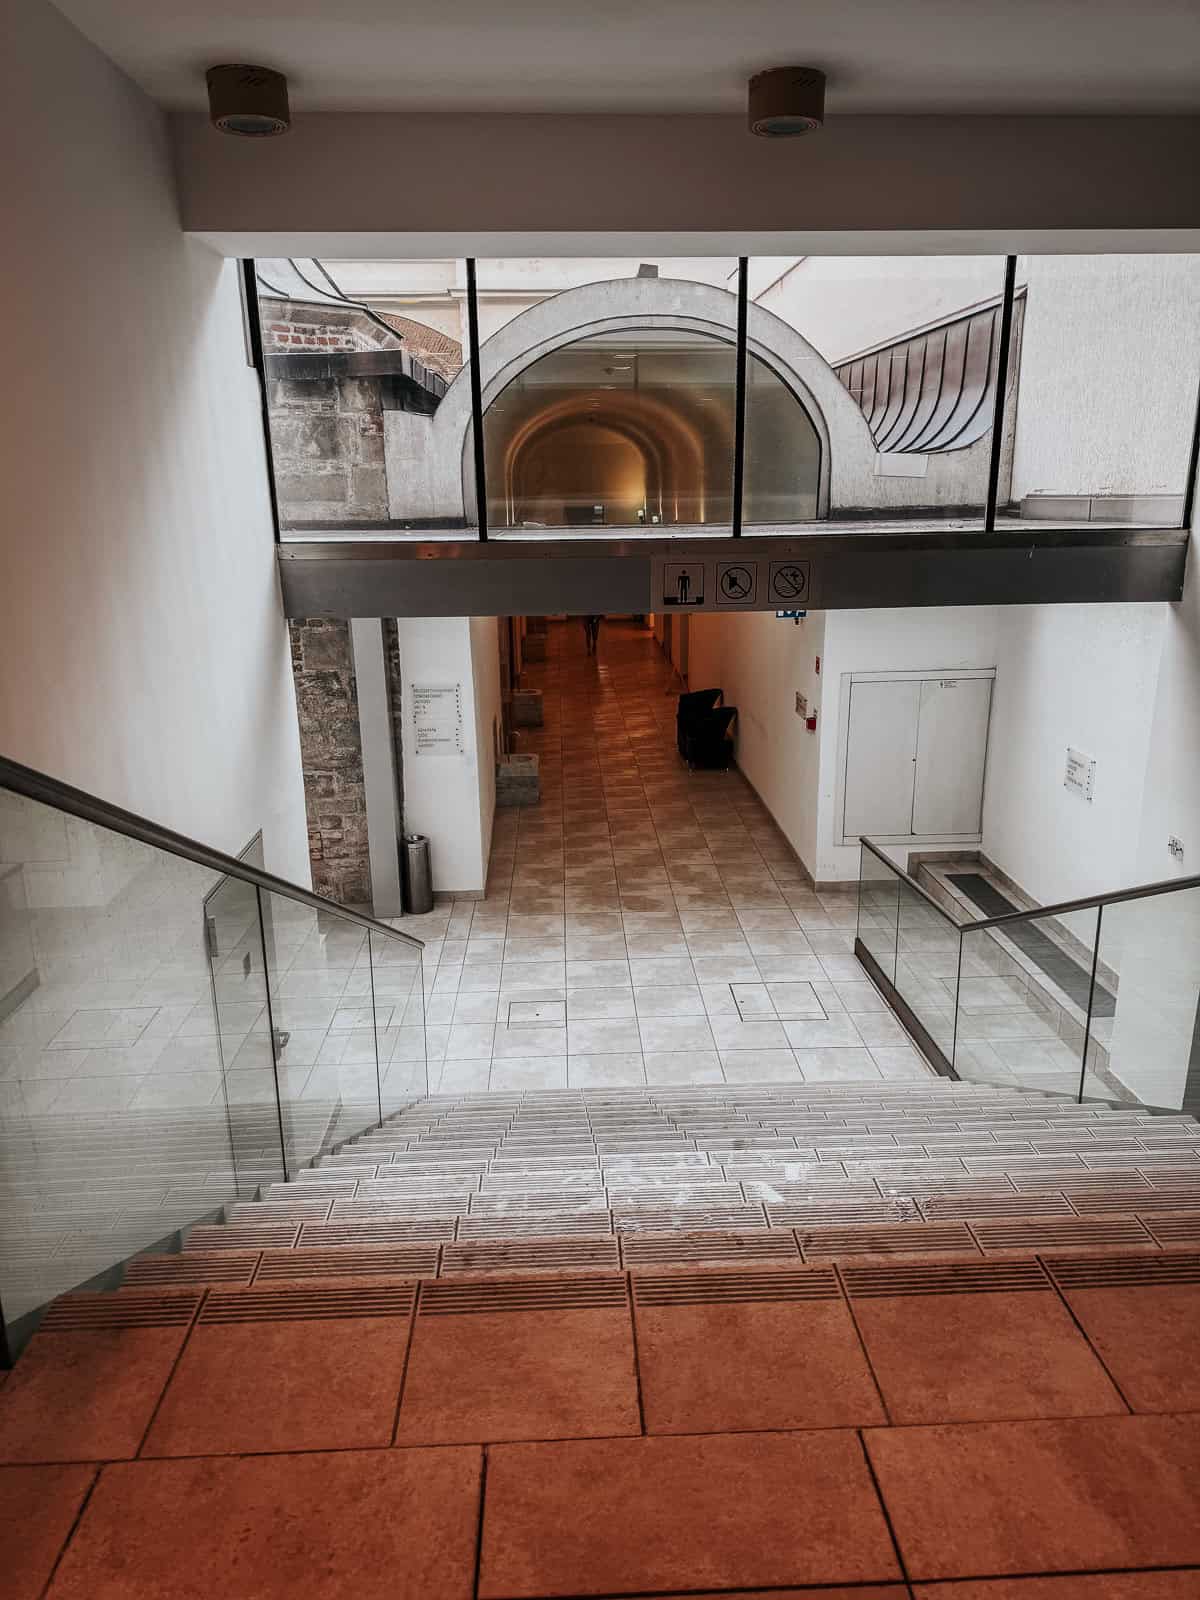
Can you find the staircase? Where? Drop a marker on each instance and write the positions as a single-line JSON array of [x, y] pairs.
[[870, 1340]]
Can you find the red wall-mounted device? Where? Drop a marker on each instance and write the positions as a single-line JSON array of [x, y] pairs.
[[811, 723]]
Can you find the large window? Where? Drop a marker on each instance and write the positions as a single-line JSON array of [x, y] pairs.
[[613, 397]]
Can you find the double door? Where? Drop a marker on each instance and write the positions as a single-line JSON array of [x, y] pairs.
[[915, 753]]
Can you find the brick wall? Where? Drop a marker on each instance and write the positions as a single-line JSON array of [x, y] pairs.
[[331, 753]]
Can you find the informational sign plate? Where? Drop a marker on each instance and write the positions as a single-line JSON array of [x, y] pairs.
[[437, 715], [1080, 776], [737, 583]]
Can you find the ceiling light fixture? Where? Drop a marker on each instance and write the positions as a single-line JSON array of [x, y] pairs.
[[251, 102], [786, 101]]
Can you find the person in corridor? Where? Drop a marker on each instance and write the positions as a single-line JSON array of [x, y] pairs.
[[591, 632]]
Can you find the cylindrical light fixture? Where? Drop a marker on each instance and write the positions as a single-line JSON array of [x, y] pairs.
[[786, 101], [249, 101]]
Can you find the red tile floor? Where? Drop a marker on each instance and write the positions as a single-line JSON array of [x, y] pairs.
[[1021, 1428]]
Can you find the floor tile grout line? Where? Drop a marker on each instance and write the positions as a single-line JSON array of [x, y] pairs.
[[483, 1475], [100, 1467], [862, 1343], [201, 1298], [419, 1290], [637, 1360], [885, 1509], [1083, 1333]]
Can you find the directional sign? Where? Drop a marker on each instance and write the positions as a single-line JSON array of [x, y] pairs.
[[737, 583], [683, 584], [789, 583]]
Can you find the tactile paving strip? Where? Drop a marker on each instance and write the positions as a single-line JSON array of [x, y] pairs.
[[1119, 1272], [445, 1297], [344, 1261], [306, 1305], [951, 1277], [712, 1288], [87, 1313], [536, 1255]]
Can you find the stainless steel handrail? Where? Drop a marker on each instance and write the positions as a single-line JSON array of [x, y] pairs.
[[51, 792], [912, 883], [1141, 891]]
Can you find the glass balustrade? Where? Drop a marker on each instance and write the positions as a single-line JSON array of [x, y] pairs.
[[1093, 999], [178, 1031]]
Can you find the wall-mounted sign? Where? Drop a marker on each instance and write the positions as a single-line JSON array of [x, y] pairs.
[[1080, 777], [437, 716]]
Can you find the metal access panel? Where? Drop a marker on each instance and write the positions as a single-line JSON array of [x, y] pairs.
[[345, 576], [913, 754], [952, 736]]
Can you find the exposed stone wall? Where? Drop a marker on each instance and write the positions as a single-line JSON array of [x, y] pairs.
[[331, 752], [326, 434], [327, 439]]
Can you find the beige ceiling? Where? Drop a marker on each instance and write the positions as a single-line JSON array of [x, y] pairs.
[[940, 56]]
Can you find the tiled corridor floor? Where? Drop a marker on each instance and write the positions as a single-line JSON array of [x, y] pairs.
[[643, 924]]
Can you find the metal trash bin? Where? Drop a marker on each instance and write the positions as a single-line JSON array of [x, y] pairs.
[[418, 875]]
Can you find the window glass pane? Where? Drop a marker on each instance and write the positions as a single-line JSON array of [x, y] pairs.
[[870, 389], [1106, 355], [368, 397], [608, 389]]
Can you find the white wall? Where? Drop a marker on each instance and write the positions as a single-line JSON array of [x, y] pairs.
[[1155, 1026], [1084, 677], [485, 676], [143, 651], [760, 661], [847, 304], [446, 796], [1110, 353]]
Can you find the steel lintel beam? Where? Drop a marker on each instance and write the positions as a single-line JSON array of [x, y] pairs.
[[837, 571]]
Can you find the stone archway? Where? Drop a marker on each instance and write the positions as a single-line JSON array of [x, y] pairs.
[[440, 467]]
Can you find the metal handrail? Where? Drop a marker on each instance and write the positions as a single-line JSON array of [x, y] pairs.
[[51, 792], [1141, 891], [907, 877]]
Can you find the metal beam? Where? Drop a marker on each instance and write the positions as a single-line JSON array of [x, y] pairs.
[[852, 570]]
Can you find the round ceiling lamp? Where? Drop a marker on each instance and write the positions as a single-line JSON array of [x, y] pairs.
[[251, 102], [786, 101]]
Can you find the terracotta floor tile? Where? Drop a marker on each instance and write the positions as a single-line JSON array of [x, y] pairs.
[[1148, 1334], [630, 1516], [1002, 1498], [87, 1384], [530, 1358], [873, 1591], [981, 1357], [259, 1374], [38, 1507], [721, 1352], [1081, 1586], [374, 1525]]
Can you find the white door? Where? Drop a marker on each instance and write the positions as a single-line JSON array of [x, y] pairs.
[[881, 750], [951, 751]]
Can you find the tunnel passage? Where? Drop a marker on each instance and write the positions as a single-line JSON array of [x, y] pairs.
[[630, 429]]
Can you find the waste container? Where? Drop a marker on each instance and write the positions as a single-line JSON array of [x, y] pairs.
[[418, 875]]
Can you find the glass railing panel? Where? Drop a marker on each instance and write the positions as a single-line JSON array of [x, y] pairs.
[[115, 1130], [327, 1028], [399, 989], [1144, 1042], [878, 909], [927, 964], [1023, 1003]]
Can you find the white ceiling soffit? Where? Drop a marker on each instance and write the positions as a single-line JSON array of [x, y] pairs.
[[933, 56]]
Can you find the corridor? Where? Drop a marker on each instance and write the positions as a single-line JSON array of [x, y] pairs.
[[643, 924]]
